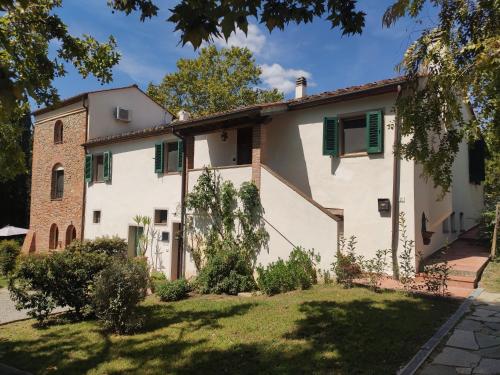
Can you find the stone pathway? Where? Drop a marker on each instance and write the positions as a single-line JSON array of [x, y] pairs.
[[474, 345]]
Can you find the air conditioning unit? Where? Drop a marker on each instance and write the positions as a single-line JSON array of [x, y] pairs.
[[123, 114]]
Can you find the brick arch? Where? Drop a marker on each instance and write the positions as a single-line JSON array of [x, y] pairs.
[[53, 237], [70, 234]]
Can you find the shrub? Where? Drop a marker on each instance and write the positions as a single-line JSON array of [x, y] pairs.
[[62, 278], [283, 276], [104, 245], [173, 290], [9, 251], [225, 272], [157, 278], [118, 289], [347, 266], [375, 267]]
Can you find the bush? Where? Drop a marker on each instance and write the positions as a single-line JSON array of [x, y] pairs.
[[9, 251], [374, 268], [62, 278], [173, 290], [298, 272], [347, 266], [118, 289], [104, 245], [225, 272], [157, 278]]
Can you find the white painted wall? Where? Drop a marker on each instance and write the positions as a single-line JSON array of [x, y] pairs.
[[293, 221], [294, 150], [210, 150], [134, 189], [145, 112]]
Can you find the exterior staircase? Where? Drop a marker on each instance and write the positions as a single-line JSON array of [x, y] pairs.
[[467, 256]]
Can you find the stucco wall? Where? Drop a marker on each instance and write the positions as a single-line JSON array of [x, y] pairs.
[[294, 150], [210, 150], [135, 189], [293, 221], [145, 112]]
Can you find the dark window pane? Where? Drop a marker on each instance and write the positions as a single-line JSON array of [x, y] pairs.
[[172, 157], [354, 135], [161, 216], [99, 168]]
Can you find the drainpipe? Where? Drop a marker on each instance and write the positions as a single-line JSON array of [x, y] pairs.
[[85, 105], [180, 264], [395, 196]]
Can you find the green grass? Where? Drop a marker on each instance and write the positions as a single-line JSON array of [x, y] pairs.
[[491, 276], [3, 282], [323, 330]]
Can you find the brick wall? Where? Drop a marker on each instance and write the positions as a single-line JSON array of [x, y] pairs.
[[68, 210]]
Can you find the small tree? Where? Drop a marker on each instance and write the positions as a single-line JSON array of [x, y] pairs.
[[407, 270], [224, 223]]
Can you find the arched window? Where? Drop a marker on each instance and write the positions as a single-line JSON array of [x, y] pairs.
[[57, 181], [53, 237], [70, 234], [58, 132]]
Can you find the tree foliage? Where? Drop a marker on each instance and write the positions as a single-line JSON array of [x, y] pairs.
[[27, 68], [199, 21], [459, 60], [217, 80]]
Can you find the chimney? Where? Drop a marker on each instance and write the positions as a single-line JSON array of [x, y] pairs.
[[300, 87], [183, 115]]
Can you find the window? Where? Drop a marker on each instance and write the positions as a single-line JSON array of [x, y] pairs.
[[165, 236], [57, 190], [58, 132], [452, 223], [354, 135], [53, 237], [445, 226], [362, 134], [98, 167], [161, 216], [172, 156], [168, 157], [244, 146], [96, 219]]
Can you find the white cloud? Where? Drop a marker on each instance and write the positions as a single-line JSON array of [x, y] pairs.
[[276, 76], [139, 71], [254, 40]]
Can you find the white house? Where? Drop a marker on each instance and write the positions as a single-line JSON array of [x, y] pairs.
[[324, 165]]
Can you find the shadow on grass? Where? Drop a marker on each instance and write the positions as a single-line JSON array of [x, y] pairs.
[[347, 337]]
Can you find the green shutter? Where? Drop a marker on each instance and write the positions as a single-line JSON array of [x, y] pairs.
[[180, 155], [88, 168], [107, 166], [374, 139], [330, 136], [159, 159]]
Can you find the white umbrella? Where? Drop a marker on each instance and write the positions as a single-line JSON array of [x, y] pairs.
[[12, 231]]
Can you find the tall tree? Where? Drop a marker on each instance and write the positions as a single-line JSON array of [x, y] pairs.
[[216, 80], [459, 62], [27, 70]]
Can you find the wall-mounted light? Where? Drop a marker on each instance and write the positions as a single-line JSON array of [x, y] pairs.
[[223, 136], [384, 205]]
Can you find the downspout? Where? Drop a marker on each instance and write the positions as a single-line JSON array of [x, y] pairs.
[[395, 195], [85, 105], [180, 264]]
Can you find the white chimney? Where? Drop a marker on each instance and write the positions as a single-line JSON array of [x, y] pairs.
[[300, 87], [183, 115]]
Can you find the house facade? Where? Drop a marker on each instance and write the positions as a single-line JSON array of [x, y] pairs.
[[324, 166]]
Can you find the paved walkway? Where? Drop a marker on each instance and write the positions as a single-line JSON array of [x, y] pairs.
[[8, 312], [474, 345]]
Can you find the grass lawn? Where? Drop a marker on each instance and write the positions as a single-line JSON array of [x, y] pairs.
[[323, 330], [3, 282], [491, 276]]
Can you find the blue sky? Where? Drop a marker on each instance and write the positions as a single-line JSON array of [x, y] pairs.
[[329, 60]]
